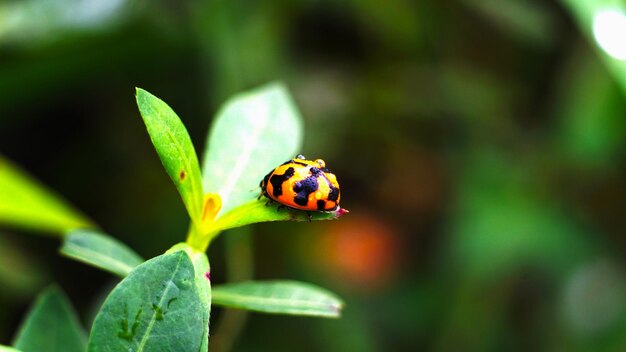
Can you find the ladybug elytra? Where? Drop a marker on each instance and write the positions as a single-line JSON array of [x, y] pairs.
[[302, 184]]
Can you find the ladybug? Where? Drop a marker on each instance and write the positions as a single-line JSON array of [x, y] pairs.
[[302, 184]]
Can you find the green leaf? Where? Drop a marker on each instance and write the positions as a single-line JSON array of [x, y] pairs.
[[8, 349], [158, 307], [253, 133], [278, 297], [24, 203], [172, 143], [203, 283], [101, 251], [257, 211], [51, 325]]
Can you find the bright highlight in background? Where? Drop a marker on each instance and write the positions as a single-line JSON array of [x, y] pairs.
[[609, 29]]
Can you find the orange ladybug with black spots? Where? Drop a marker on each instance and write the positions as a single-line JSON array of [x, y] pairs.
[[302, 184]]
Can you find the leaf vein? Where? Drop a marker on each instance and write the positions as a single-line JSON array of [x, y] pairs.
[[146, 334], [187, 165]]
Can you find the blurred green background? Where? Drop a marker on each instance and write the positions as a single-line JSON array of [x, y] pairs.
[[479, 145]]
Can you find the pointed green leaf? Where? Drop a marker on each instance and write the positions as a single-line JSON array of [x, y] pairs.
[[258, 211], [159, 306], [253, 133], [172, 143], [278, 297], [51, 325], [25, 203], [101, 251]]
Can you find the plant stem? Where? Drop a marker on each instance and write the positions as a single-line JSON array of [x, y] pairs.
[[196, 240]]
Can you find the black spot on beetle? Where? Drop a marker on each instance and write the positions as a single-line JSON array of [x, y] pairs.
[[277, 181], [321, 204], [300, 199], [334, 193], [314, 170], [303, 189], [263, 182]]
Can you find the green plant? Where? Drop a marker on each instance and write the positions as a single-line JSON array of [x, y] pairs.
[[164, 304]]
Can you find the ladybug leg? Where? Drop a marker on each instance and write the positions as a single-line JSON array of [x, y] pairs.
[[308, 214], [280, 207]]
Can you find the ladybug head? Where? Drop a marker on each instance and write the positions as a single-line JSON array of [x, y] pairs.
[[321, 163]]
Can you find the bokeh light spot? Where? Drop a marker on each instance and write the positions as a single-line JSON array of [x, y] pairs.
[[609, 30], [593, 299]]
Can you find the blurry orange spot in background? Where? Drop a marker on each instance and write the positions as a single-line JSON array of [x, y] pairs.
[[360, 250]]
